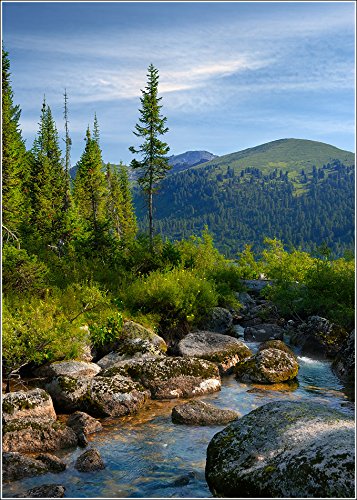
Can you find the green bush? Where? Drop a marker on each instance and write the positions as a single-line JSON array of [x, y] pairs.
[[227, 281], [178, 296], [248, 267], [108, 332], [22, 272]]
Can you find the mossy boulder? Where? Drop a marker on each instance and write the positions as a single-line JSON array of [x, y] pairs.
[[223, 350], [268, 366], [201, 413], [53, 463], [128, 349], [263, 332], [132, 330], [30, 436], [275, 344], [35, 404], [170, 377], [99, 396], [69, 369], [16, 466], [319, 337], [284, 449]]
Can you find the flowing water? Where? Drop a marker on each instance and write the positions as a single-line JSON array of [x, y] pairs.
[[148, 456]]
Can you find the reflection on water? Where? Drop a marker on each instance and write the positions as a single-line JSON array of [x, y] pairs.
[[148, 456]]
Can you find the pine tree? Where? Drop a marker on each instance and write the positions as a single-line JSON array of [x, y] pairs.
[[114, 201], [15, 164], [68, 143], [154, 164], [48, 182], [90, 189]]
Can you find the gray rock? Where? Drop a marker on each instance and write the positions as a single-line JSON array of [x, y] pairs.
[[46, 491], [16, 466], [133, 330], [276, 344], [82, 440], [220, 320], [200, 413], [36, 436], [31, 405], [344, 363], [99, 396], [89, 461], [264, 331], [268, 366], [68, 369], [82, 422], [128, 349], [224, 350], [170, 377], [53, 463], [246, 300], [256, 286], [319, 337], [284, 449]]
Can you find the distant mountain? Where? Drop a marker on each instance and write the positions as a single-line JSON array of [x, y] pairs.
[[178, 163], [189, 159], [299, 191]]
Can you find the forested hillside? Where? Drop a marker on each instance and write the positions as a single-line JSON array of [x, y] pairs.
[[301, 192]]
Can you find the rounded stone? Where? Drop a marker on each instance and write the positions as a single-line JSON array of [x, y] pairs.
[[284, 449], [201, 413], [89, 461], [268, 366]]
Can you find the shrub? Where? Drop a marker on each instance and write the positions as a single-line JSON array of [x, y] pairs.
[[107, 333], [178, 296], [22, 272], [248, 267]]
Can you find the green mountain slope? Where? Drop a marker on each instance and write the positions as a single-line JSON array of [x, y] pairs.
[[299, 191]]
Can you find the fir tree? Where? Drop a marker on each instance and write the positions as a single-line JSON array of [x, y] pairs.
[[48, 182], [15, 164], [129, 218], [90, 189], [68, 143], [154, 164]]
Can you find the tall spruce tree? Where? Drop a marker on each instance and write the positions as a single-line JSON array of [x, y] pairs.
[[68, 143], [48, 182], [154, 163], [90, 190], [15, 163]]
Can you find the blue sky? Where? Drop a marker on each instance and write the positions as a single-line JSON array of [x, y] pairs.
[[232, 75]]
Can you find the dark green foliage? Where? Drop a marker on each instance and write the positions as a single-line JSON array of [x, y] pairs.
[[49, 185], [154, 164], [15, 164], [244, 209]]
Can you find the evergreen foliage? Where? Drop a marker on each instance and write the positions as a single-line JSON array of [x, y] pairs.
[[154, 164], [15, 165], [48, 183]]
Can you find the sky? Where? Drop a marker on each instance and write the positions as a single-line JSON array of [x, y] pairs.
[[233, 75]]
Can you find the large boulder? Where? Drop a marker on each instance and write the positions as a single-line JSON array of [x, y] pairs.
[[89, 461], [128, 349], [169, 377], [132, 330], [99, 396], [200, 413], [81, 422], [263, 332], [16, 466], [220, 320], [53, 463], [35, 404], [256, 286], [275, 344], [268, 366], [36, 436], [224, 350], [68, 369], [344, 363], [319, 337], [284, 449]]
